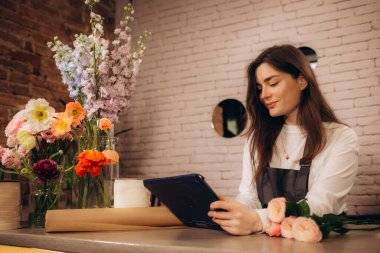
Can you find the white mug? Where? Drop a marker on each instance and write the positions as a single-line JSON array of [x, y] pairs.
[[130, 192]]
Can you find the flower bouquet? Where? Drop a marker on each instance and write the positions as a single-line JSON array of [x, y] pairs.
[[101, 77], [39, 150], [293, 220]]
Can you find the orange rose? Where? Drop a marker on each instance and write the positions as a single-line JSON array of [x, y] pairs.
[[111, 155], [76, 112], [105, 124], [90, 161], [286, 227], [61, 125], [306, 230], [276, 209]]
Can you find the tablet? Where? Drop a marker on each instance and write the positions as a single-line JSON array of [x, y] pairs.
[[187, 196]]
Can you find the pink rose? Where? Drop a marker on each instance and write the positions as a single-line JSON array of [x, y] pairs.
[[286, 227], [306, 230], [15, 124], [274, 229], [276, 209], [10, 159]]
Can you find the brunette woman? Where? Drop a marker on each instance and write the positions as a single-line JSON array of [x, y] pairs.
[[296, 149]]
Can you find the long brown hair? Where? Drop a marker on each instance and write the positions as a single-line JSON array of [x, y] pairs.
[[313, 108]]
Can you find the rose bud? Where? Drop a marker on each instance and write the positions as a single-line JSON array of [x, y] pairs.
[[306, 230], [286, 227], [276, 209]]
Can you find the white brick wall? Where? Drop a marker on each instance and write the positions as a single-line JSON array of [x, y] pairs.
[[197, 57]]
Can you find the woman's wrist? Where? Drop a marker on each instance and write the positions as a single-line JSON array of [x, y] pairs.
[[257, 225]]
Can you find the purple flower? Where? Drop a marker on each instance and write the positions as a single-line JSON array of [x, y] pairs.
[[46, 170]]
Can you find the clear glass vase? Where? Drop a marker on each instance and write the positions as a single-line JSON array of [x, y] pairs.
[[96, 191], [44, 197]]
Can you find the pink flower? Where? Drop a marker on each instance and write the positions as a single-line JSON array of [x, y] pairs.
[[274, 229], [306, 230], [286, 227], [2, 150], [276, 209], [22, 151], [10, 159], [15, 124], [48, 136]]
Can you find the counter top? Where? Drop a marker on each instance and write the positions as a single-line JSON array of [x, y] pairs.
[[185, 240]]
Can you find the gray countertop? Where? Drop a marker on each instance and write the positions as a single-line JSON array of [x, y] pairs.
[[185, 240]]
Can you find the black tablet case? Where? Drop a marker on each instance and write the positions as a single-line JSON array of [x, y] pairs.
[[187, 196]]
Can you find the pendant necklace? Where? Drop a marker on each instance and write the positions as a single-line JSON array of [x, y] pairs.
[[287, 156]]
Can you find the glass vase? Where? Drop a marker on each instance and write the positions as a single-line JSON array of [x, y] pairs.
[[96, 191], [44, 197]]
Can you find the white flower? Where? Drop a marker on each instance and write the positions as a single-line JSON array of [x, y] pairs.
[[39, 114]]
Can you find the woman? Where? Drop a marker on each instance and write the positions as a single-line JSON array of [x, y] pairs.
[[296, 149]]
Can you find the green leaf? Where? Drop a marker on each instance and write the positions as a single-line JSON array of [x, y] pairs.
[[292, 209], [304, 208], [333, 220]]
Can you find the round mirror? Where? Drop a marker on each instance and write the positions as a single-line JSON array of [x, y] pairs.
[[229, 118], [311, 55]]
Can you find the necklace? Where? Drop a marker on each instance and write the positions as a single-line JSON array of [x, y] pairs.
[[287, 156]]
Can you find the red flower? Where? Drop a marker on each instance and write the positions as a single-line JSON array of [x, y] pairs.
[[90, 161], [46, 170]]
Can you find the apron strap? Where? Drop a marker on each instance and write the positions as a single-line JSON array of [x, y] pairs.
[[271, 182]]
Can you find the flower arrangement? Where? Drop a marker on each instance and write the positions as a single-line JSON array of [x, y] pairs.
[[40, 151], [42, 146], [101, 77], [293, 220]]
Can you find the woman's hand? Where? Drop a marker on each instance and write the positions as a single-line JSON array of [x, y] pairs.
[[237, 219]]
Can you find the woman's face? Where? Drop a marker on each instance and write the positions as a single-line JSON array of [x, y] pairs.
[[280, 92]]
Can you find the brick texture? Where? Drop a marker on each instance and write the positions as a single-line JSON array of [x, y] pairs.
[[27, 68], [197, 57]]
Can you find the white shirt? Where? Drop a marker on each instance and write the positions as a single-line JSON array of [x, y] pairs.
[[332, 172]]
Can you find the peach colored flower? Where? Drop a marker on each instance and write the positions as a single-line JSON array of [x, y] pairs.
[[12, 141], [286, 227], [306, 230], [105, 124], [75, 111], [15, 124], [90, 161], [111, 155], [274, 229], [61, 124], [276, 209]]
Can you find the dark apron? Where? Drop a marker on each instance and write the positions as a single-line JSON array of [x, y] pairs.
[[277, 182]]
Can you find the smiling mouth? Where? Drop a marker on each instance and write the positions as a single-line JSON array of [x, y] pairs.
[[271, 105]]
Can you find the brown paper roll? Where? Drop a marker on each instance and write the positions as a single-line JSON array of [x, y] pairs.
[[110, 219]]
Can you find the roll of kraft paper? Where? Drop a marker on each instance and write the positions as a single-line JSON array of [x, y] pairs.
[[111, 219], [130, 193]]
